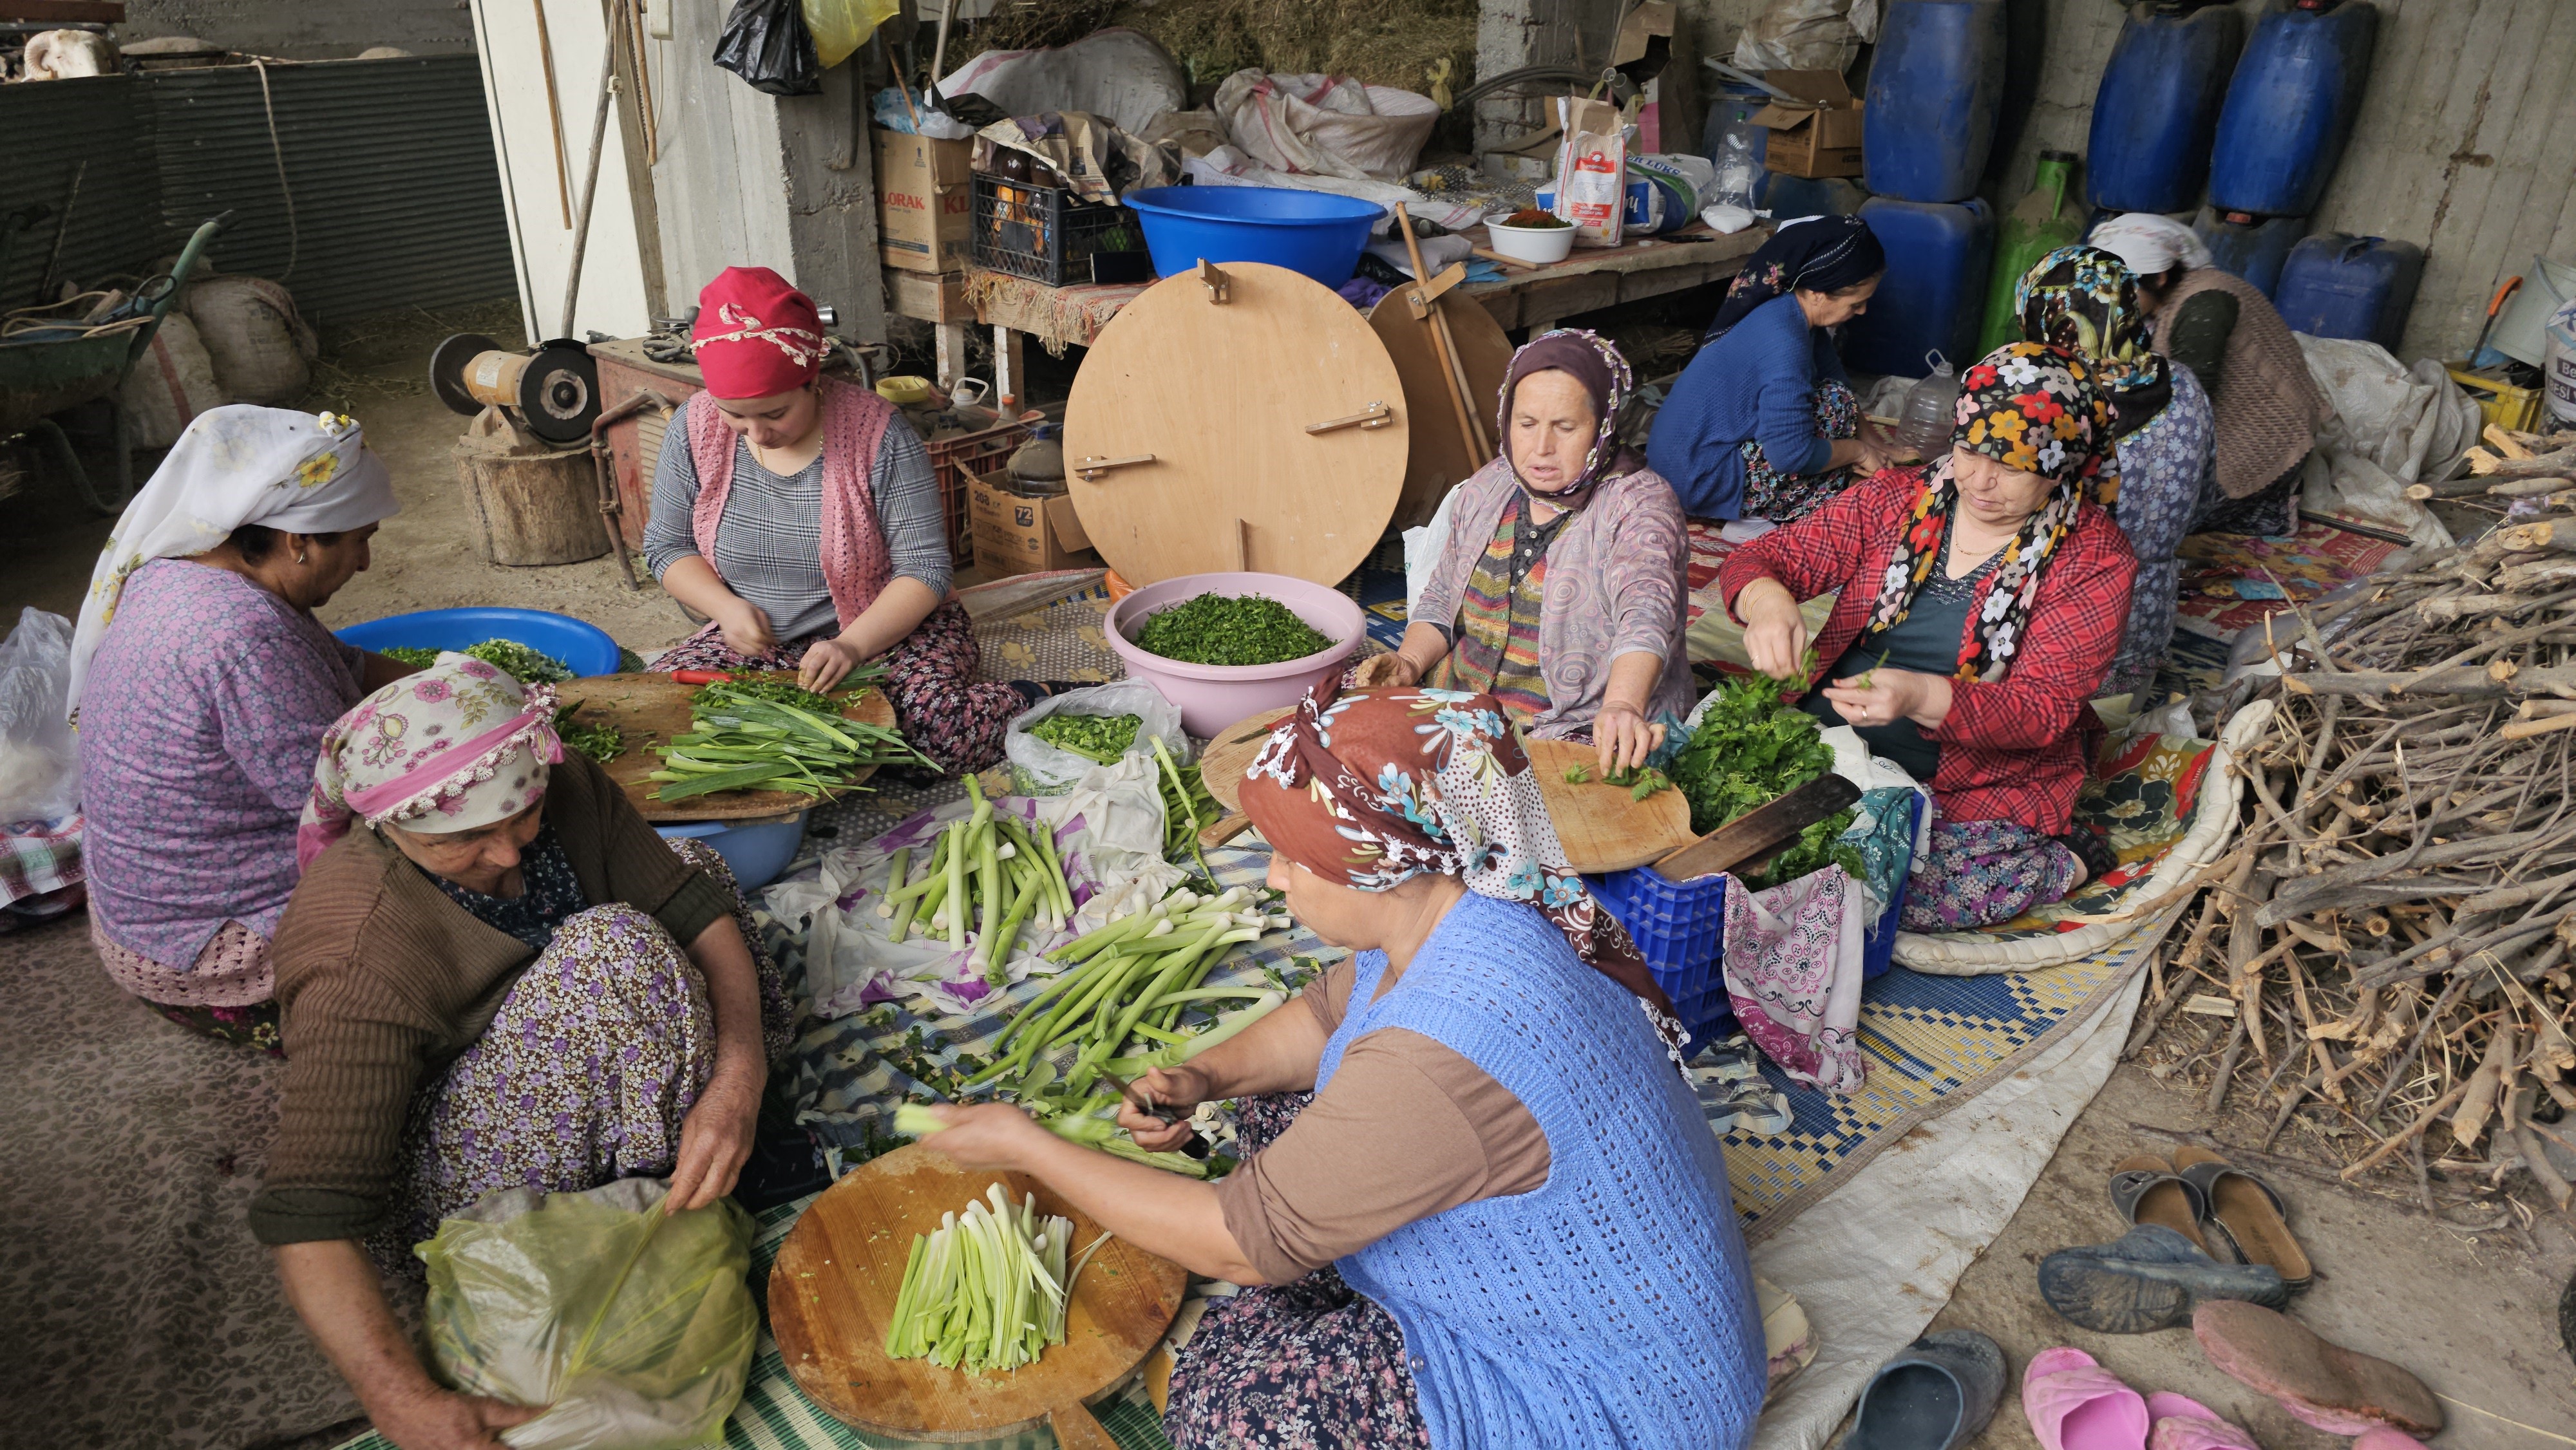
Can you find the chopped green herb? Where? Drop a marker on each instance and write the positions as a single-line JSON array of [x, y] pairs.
[[1750, 749], [1228, 629], [601, 743], [521, 663], [1103, 738]]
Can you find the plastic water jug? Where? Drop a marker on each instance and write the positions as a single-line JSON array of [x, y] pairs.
[[2156, 111], [1735, 146], [2040, 223], [1931, 410], [2290, 107], [2558, 366], [1939, 255], [2254, 248], [2335, 285], [1934, 89]]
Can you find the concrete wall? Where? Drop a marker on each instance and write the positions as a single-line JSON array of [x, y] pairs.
[[306, 29]]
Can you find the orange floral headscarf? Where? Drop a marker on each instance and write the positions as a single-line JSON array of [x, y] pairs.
[[2028, 406]]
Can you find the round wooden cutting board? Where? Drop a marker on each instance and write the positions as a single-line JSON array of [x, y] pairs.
[[1266, 431], [833, 1289], [649, 708], [1438, 458]]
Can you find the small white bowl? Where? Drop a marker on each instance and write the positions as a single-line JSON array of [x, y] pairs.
[[1531, 244]]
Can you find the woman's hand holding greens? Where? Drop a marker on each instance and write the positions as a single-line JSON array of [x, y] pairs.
[[1885, 696], [1775, 634], [1166, 1087]]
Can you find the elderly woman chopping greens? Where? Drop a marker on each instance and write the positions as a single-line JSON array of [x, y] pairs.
[[493, 974], [1563, 588], [202, 683], [1982, 598], [1479, 1206], [802, 518]]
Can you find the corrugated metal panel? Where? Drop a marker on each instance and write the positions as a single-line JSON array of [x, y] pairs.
[[115, 223], [397, 196]]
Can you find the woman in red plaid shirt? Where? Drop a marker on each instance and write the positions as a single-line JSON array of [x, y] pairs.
[[1982, 598]]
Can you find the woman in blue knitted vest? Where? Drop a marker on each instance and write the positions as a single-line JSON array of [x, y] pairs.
[[1478, 1206], [1763, 424]]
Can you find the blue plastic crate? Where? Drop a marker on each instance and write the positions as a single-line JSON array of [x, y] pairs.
[[1680, 929]]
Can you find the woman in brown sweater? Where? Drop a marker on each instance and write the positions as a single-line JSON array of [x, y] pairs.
[[505, 979]]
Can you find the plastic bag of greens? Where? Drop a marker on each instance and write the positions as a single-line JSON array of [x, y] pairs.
[[1040, 768], [767, 43], [635, 1326]]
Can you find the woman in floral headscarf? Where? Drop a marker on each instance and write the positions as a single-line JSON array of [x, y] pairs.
[[2086, 300], [493, 974], [1563, 588], [1437, 1235], [1982, 599]]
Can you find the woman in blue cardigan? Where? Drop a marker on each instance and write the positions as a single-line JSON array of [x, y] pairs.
[[1763, 423]]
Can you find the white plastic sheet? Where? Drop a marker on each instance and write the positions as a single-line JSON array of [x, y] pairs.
[[1325, 125], [1119, 73], [39, 757], [2392, 426]]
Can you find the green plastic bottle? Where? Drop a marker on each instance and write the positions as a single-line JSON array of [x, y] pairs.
[[2051, 216]]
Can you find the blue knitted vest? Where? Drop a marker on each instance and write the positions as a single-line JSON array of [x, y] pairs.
[[1612, 1306]]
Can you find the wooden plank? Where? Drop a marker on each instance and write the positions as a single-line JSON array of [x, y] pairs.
[[1761, 832], [1437, 457], [648, 709], [832, 1295]]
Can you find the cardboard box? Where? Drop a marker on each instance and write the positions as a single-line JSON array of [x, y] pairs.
[[1015, 535], [929, 296], [925, 202], [1818, 134]]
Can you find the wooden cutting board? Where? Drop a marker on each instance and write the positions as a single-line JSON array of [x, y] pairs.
[[1601, 827], [648, 709], [832, 1295]]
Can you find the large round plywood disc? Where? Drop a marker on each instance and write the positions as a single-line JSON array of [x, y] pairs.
[[1266, 431], [1439, 458]]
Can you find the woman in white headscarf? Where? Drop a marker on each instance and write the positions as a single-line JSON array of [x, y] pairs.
[[2210, 320], [202, 683]]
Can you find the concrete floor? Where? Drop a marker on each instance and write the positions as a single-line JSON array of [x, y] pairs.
[[2469, 1305]]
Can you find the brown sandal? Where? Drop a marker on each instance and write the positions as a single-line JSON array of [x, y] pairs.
[[2146, 1189], [2247, 1211]]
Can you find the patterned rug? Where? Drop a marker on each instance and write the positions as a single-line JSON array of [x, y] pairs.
[[2232, 580]]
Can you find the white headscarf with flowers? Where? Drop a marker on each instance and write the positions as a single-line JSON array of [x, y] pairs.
[[298, 473]]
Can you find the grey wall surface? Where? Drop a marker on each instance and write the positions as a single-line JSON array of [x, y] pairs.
[[305, 29]]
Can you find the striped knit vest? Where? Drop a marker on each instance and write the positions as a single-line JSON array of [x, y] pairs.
[[1613, 1306]]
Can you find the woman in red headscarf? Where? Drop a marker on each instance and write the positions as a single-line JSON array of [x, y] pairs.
[[802, 519]]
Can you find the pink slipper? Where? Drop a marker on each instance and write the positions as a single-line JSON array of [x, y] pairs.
[[2321, 1384], [2183, 1423], [2075, 1404], [2380, 1437]]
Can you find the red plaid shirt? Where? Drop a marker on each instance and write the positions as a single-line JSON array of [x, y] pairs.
[[2014, 750]]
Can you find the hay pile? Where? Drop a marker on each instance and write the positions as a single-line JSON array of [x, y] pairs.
[[1381, 44]]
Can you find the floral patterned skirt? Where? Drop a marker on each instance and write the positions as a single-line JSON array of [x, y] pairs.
[[1309, 1365], [943, 709], [1785, 498], [1978, 873]]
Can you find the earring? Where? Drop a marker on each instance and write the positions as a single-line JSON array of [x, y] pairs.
[[299, 556]]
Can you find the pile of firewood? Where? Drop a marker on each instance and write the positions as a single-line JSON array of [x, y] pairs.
[[2388, 944]]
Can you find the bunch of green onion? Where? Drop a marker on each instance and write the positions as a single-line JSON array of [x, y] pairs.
[[987, 1289], [741, 741], [992, 869]]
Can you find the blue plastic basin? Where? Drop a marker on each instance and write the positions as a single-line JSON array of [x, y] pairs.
[[756, 853], [1313, 232], [584, 648]]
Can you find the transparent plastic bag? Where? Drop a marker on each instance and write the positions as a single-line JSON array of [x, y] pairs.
[[39, 755], [1038, 768], [635, 1326]]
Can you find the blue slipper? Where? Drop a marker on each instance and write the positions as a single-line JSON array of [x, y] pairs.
[[1935, 1394], [2150, 1278]]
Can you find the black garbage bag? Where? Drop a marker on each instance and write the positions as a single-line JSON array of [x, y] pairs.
[[766, 43]]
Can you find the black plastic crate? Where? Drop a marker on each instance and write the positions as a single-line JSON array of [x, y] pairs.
[[1044, 234]]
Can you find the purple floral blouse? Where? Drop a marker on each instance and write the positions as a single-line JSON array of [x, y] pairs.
[[205, 708]]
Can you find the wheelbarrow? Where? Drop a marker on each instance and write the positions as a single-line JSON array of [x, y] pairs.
[[45, 375]]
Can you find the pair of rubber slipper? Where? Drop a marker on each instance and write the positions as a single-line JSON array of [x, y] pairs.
[[2160, 1271], [2073, 1403], [1745, 1098], [2321, 1384]]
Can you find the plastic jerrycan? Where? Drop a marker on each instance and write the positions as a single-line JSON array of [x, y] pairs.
[[2335, 285], [1935, 87], [2290, 107], [2044, 220], [1939, 255], [2254, 248], [2156, 112]]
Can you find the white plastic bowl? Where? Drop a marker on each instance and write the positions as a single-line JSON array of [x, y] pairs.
[[1531, 244], [1211, 697]]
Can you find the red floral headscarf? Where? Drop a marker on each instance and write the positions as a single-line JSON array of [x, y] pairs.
[[1375, 787], [2027, 406]]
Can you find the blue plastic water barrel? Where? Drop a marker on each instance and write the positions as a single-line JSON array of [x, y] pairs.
[[1934, 294], [2157, 108], [1934, 88], [2335, 285], [1796, 196], [2290, 107], [2253, 248]]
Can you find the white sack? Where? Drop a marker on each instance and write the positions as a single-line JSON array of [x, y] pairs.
[[261, 349], [171, 384], [2391, 426], [1325, 125], [1803, 35], [1119, 74]]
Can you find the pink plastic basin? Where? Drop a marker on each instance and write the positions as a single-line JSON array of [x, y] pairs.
[[1212, 697]]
